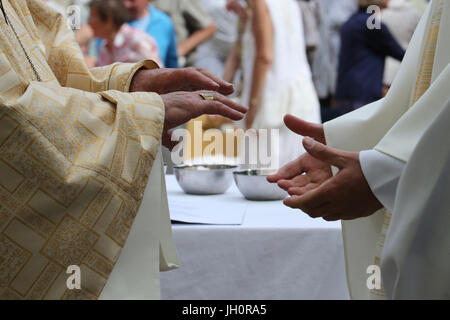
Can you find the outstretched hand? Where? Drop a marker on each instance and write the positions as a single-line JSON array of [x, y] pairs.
[[178, 87], [164, 80], [312, 186]]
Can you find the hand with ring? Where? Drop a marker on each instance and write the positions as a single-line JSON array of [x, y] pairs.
[[183, 106]]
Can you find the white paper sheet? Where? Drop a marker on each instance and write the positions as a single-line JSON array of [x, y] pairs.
[[225, 209]]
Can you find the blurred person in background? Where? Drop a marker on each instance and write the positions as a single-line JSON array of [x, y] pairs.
[[362, 58], [402, 18], [213, 54], [310, 18], [84, 34], [193, 26], [276, 74], [145, 17], [331, 15], [122, 43]]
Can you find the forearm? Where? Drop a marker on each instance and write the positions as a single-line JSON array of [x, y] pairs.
[[260, 70], [232, 64], [196, 39], [263, 33]]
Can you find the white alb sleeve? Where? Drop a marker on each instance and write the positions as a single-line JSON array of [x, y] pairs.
[[382, 173]]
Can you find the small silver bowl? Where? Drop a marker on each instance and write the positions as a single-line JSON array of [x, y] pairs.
[[204, 179], [254, 186]]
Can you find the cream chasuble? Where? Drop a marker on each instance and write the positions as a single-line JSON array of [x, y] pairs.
[[76, 153], [416, 260], [394, 126]]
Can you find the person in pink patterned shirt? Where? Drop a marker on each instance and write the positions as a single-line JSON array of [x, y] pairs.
[[122, 43]]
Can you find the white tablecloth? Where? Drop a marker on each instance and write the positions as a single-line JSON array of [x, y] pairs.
[[277, 253]]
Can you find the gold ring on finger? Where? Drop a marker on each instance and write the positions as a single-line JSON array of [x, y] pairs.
[[207, 96]]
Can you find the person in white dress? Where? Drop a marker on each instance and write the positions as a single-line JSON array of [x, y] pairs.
[[276, 74]]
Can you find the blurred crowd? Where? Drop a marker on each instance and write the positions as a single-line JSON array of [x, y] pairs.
[[316, 59]]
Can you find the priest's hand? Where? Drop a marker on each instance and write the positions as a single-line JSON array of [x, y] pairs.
[[164, 81], [345, 196], [182, 106]]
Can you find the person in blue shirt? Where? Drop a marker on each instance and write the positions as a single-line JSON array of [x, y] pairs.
[[147, 18], [362, 58]]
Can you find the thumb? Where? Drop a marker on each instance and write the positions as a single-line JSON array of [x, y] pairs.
[[305, 128], [324, 153]]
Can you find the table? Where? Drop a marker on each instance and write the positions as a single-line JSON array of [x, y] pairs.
[[276, 254]]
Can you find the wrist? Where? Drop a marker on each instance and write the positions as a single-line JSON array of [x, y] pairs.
[[143, 76], [138, 83]]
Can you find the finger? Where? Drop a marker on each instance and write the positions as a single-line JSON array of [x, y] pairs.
[[333, 214], [196, 80], [298, 181], [292, 202], [304, 128], [314, 198], [225, 88], [218, 108], [324, 153], [333, 218], [237, 106], [297, 202], [289, 171], [299, 191]]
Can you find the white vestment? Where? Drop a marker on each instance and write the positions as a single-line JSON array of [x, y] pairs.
[[394, 126], [149, 247], [384, 186], [416, 257]]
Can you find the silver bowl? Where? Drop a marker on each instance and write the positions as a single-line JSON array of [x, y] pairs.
[[253, 185], [204, 179]]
